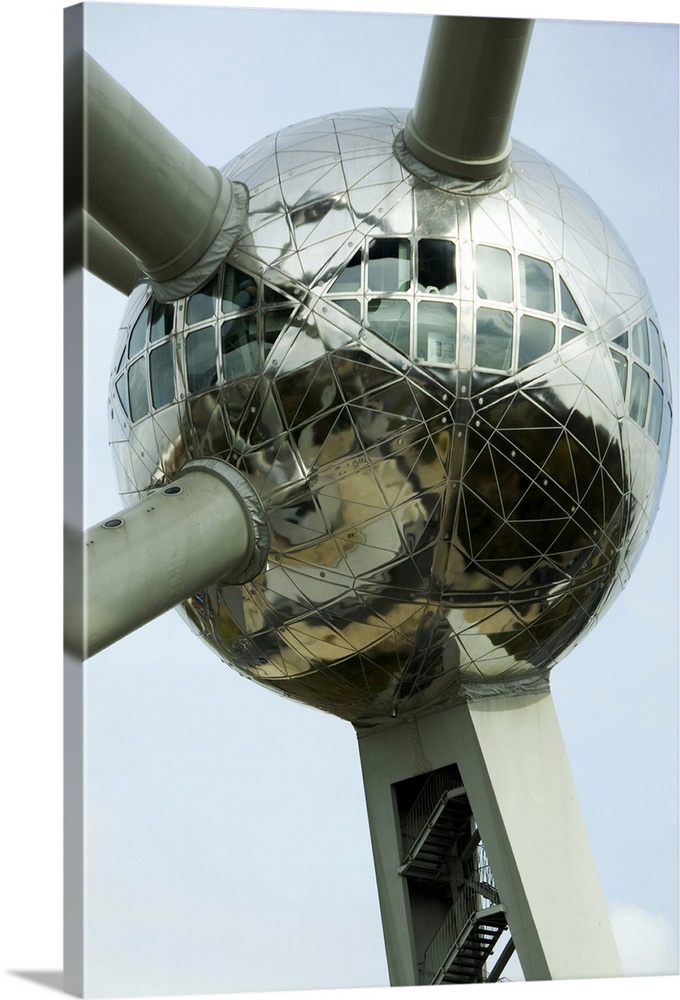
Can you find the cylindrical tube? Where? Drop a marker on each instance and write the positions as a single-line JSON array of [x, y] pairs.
[[143, 185], [150, 557], [460, 124]]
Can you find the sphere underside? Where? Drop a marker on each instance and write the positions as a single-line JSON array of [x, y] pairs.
[[454, 404]]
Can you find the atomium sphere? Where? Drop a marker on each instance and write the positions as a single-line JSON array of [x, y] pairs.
[[452, 398]]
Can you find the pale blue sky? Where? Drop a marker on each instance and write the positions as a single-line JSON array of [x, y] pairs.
[[227, 842]]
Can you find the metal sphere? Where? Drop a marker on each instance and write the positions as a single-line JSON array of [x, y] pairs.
[[454, 401]]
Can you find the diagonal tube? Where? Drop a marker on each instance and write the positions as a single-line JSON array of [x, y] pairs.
[[460, 124]]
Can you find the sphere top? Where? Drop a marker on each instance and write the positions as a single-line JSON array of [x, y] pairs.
[[453, 400]]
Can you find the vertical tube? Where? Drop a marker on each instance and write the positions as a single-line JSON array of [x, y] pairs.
[[460, 124]]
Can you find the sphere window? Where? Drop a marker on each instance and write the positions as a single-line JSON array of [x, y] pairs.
[[161, 375], [657, 354], [665, 442], [536, 284], [201, 359], [389, 265], [622, 340], [391, 320], [138, 394], [162, 319], [494, 274], [655, 413], [640, 341], [239, 347], [493, 339], [436, 332], [138, 335], [639, 393], [568, 308], [201, 305], [436, 267], [239, 291], [122, 393], [568, 333], [349, 279], [621, 369], [274, 322], [351, 306], [536, 338]]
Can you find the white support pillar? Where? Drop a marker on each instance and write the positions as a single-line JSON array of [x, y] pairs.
[[513, 763]]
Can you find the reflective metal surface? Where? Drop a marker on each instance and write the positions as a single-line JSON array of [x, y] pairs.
[[455, 408]]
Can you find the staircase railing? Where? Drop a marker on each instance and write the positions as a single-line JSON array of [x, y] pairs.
[[434, 788]]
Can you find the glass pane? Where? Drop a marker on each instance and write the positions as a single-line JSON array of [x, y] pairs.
[[655, 342], [352, 306], [621, 367], [666, 432], [161, 375], [122, 391], [201, 359], [139, 397], [437, 332], [536, 338], [162, 316], [537, 290], [274, 323], [568, 307], [239, 347], [349, 279], [655, 413], [138, 335], [390, 318], [201, 305], [239, 291], [272, 297], [493, 341], [639, 391], [640, 342], [494, 274], [389, 265], [622, 339], [436, 272], [568, 333]]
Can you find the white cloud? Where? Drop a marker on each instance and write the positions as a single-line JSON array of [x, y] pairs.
[[646, 941]]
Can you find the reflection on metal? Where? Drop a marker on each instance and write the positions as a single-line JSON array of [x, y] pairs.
[[456, 410]]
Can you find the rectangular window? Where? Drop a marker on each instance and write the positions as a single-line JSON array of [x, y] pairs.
[[391, 319], [640, 342], [493, 339], [201, 359], [494, 274], [239, 290], [389, 265], [568, 307], [655, 413], [436, 273], [621, 368], [139, 397], [138, 335], [161, 375], [639, 391], [657, 354], [536, 338], [349, 279], [162, 318], [239, 347], [201, 305], [536, 285], [436, 335]]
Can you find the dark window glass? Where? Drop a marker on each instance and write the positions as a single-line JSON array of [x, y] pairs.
[[537, 290], [274, 323], [622, 339], [138, 395], [436, 271], [493, 341], [239, 348], [274, 298], [201, 359], [389, 265], [138, 335], [621, 368], [390, 318], [657, 354], [640, 342], [162, 317], [436, 341], [639, 391], [665, 442], [201, 305], [161, 375], [568, 333], [122, 392], [536, 338], [494, 274], [568, 307], [349, 279], [655, 413], [239, 291]]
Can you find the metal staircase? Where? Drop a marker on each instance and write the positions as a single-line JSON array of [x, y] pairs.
[[443, 853]]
